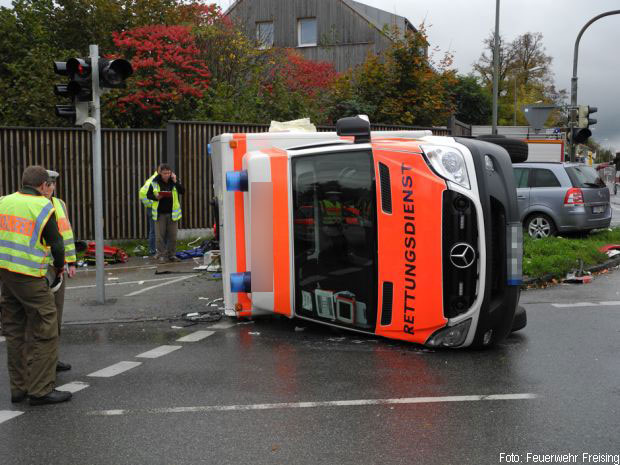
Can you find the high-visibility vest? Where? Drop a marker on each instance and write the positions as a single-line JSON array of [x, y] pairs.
[[22, 219], [176, 205], [64, 226], [332, 212], [148, 203]]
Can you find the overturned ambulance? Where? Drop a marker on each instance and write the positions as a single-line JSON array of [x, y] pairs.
[[400, 234]]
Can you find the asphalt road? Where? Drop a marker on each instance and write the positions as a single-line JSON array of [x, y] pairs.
[[269, 392]]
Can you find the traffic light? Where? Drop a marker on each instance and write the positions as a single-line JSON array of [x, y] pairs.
[[78, 89], [112, 73], [584, 116], [581, 133], [80, 83]]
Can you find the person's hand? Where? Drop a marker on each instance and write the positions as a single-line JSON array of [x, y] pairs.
[[59, 271], [71, 270], [173, 177], [159, 196]]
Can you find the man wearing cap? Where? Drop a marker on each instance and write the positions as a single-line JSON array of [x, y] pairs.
[[28, 231], [64, 227]]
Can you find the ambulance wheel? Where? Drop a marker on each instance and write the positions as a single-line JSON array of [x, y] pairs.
[[517, 149], [520, 320]]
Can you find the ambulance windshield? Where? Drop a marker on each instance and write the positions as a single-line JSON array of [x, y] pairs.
[[335, 238]]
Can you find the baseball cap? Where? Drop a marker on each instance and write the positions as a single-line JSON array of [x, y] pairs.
[[53, 175]]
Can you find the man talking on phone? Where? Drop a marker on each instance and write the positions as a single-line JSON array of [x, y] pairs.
[[164, 191]]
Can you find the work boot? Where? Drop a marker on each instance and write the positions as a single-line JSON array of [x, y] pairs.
[[54, 397], [17, 396], [62, 366]]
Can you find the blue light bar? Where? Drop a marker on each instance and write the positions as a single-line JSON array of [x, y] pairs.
[[237, 181], [240, 282]]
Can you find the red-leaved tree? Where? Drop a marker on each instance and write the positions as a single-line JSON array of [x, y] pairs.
[[306, 76], [170, 75]]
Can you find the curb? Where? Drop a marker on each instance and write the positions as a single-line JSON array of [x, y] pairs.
[[592, 269]]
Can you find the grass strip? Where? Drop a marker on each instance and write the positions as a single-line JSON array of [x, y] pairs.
[[560, 255]]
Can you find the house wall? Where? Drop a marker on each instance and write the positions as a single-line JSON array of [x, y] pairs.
[[344, 37]]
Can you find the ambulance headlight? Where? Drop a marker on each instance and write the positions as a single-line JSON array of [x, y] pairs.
[[449, 162], [452, 336]]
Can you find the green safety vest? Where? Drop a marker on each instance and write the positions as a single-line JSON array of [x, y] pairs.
[[332, 212], [148, 203], [176, 205], [22, 219], [64, 226]]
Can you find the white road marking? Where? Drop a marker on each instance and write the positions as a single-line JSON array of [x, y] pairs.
[[121, 283], [115, 369], [608, 303], [159, 351], [75, 386], [182, 278], [2, 338], [6, 415], [223, 325], [141, 267], [574, 304], [196, 336], [335, 403]]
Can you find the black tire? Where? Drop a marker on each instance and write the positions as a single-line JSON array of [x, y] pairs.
[[520, 320], [539, 226], [517, 149]]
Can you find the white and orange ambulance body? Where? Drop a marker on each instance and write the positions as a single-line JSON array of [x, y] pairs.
[[398, 234]]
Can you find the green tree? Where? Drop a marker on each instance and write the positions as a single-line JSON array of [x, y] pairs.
[[473, 102], [524, 68], [404, 87]]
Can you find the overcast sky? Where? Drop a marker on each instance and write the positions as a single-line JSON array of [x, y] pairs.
[[461, 25]]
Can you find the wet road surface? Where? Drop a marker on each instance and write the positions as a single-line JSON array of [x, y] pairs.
[[264, 392]]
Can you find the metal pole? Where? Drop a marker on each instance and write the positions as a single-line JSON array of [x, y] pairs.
[[97, 175], [573, 81], [495, 69], [514, 123]]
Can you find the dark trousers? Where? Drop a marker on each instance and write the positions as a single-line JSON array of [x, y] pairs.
[[30, 325], [166, 235], [151, 237], [59, 300]]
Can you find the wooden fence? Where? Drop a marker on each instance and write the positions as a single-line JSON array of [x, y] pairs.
[[129, 157]]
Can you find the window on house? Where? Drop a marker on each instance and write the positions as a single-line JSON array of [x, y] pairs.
[[306, 32], [264, 34]]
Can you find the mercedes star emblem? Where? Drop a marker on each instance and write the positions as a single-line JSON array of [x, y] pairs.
[[462, 255]]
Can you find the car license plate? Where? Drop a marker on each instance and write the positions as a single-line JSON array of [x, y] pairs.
[[598, 209]]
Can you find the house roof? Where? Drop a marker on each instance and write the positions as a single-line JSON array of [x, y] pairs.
[[380, 19]]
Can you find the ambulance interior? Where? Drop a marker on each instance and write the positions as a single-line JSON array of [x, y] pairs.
[[335, 238]]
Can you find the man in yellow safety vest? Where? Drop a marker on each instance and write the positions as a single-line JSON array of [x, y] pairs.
[[28, 231], [64, 226], [164, 192]]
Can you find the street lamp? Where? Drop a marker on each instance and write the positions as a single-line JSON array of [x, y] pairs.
[[495, 70], [573, 90]]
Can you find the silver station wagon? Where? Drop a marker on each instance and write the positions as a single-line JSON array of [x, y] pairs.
[[561, 197]]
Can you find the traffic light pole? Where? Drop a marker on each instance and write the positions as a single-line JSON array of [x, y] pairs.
[[97, 176], [573, 87]]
